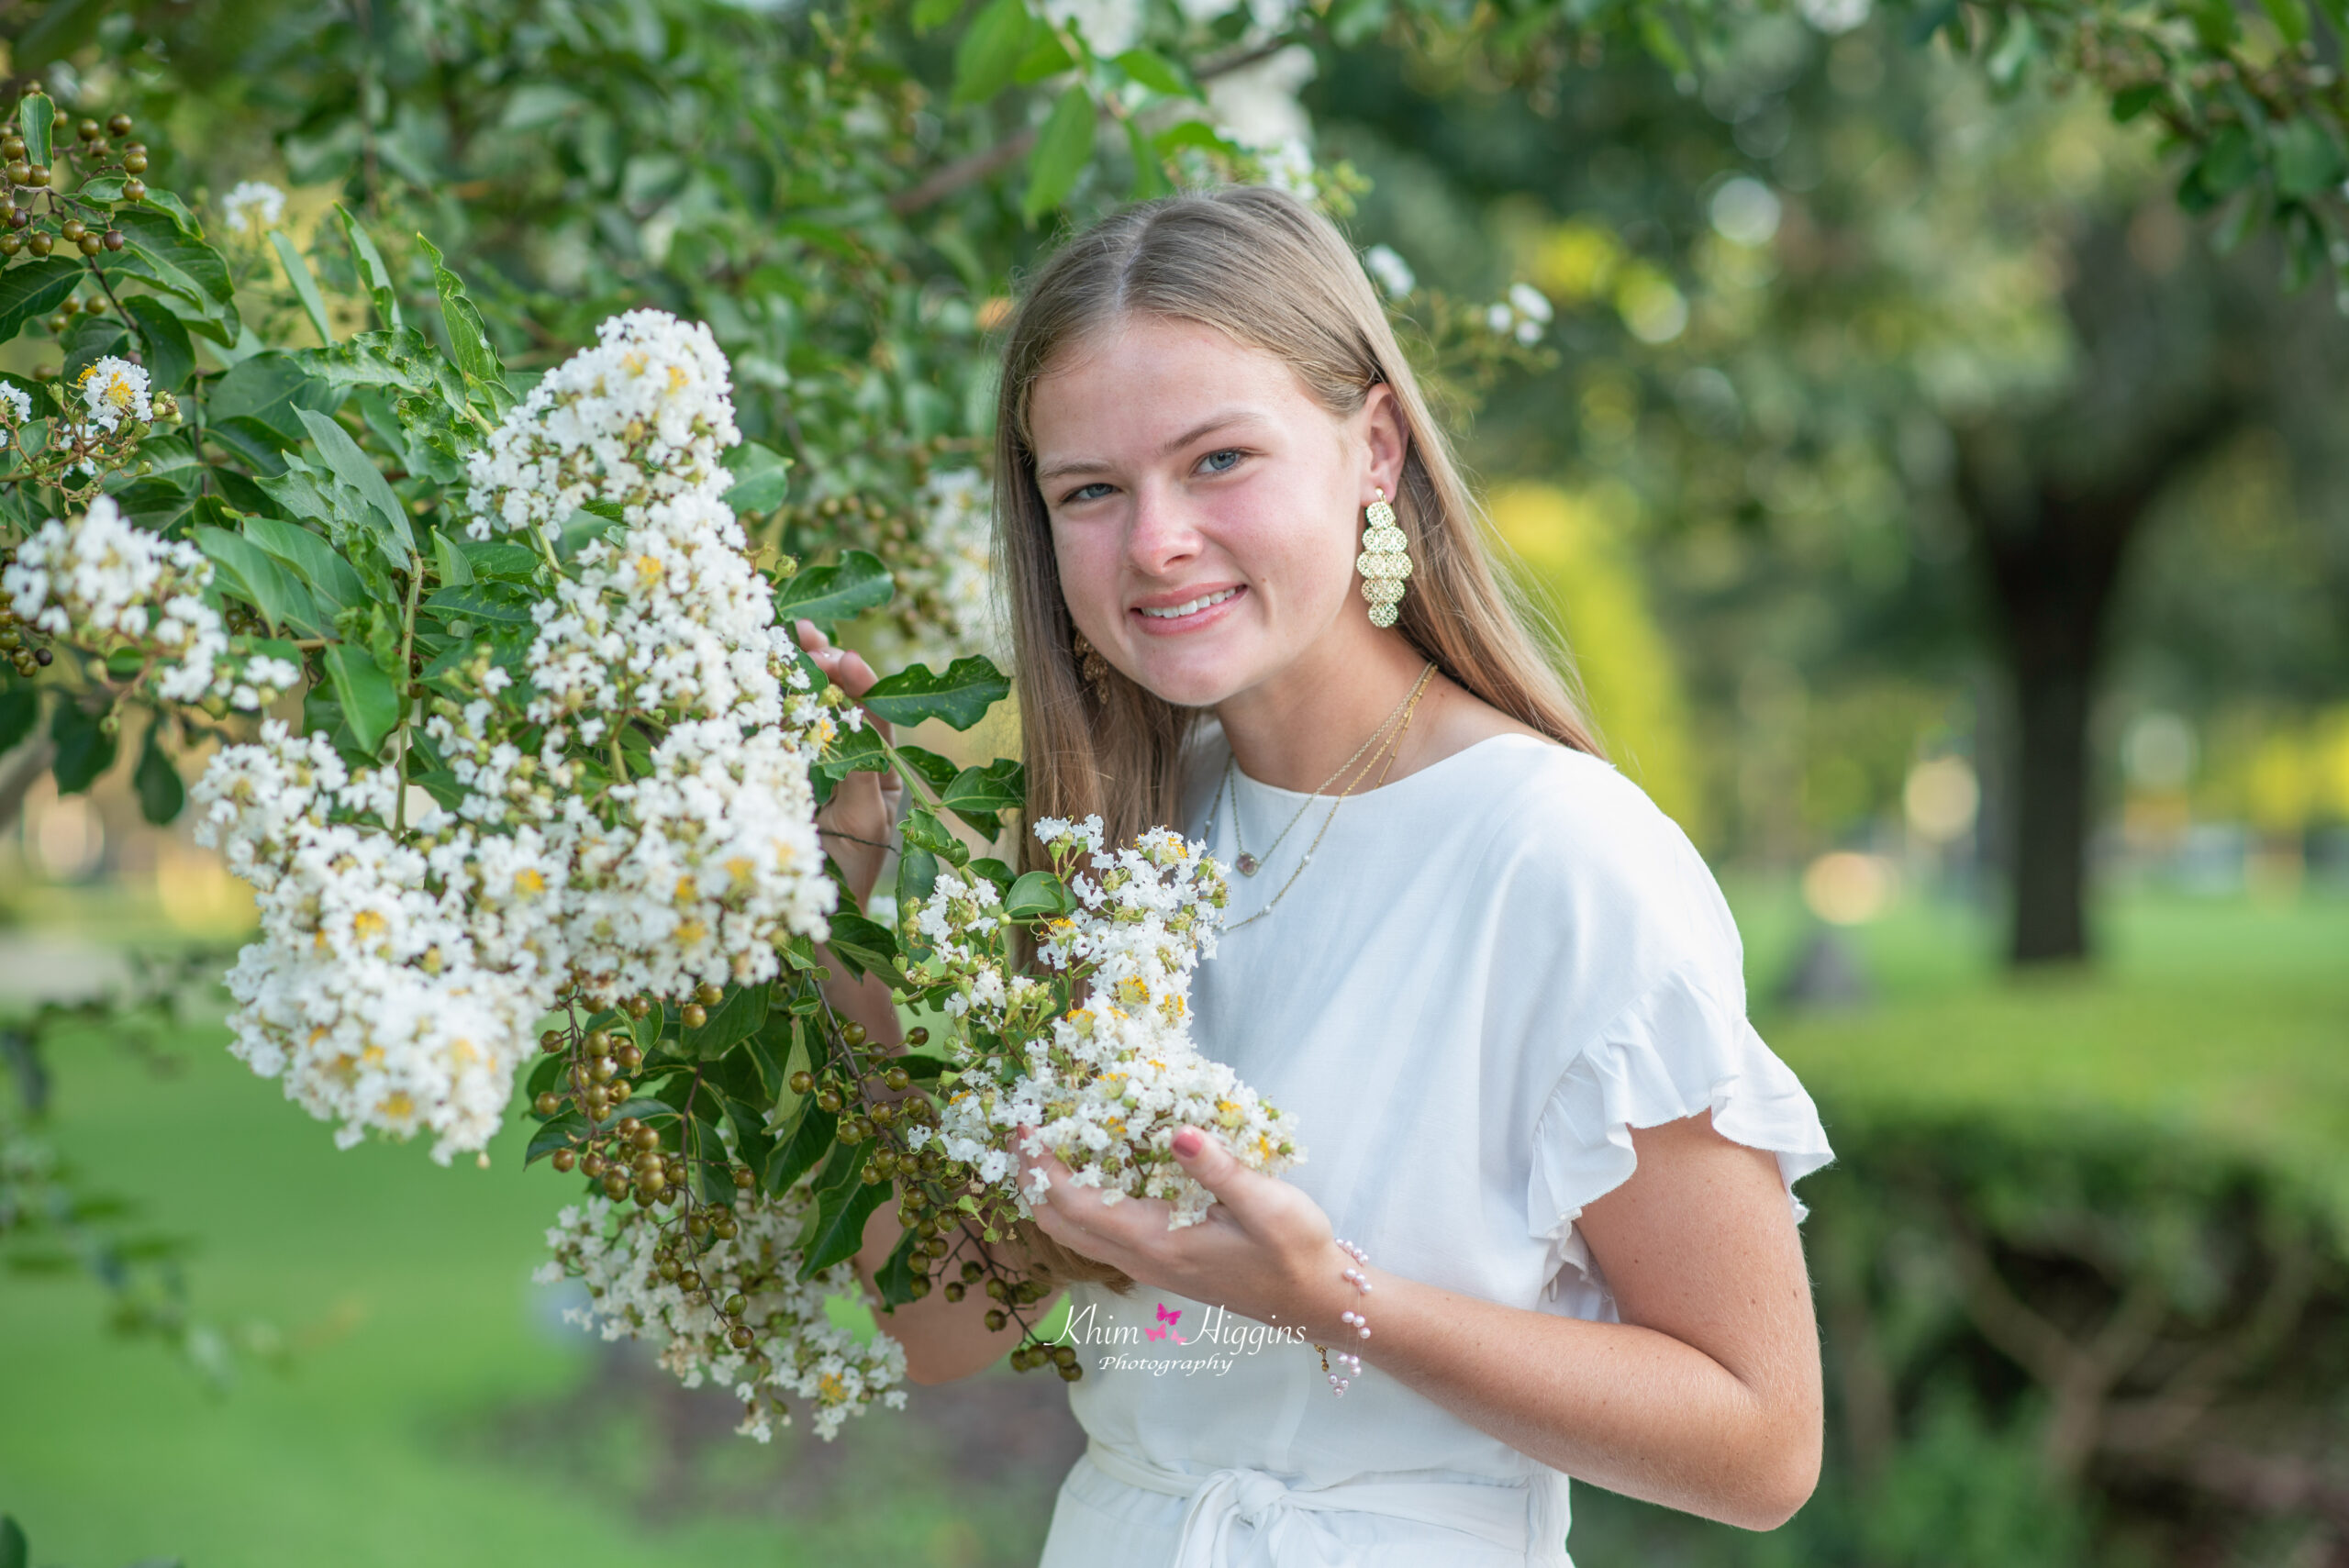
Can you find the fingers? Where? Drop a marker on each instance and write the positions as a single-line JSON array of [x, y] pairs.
[[845, 669]]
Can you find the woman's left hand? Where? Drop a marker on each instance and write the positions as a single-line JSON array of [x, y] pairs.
[[1265, 1249]]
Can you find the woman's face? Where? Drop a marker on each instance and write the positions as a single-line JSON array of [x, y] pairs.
[[1205, 509]]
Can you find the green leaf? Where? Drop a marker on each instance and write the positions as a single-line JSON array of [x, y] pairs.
[[560, 1132], [932, 15], [2016, 50], [731, 1022], [761, 478], [960, 697], [810, 1137], [928, 767], [916, 876], [2130, 102], [34, 116], [355, 467], [896, 1279], [161, 792], [1149, 175], [184, 263], [990, 51], [255, 577], [836, 1231], [306, 287], [482, 602], [828, 595], [272, 390], [176, 210], [371, 705], [1039, 896], [36, 290], [170, 352], [1063, 149], [1156, 73], [862, 944], [377, 276], [19, 711], [14, 1551], [84, 751], [924, 831], [468, 337], [2306, 159], [2292, 19], [89, 339], [311, 559], [455, 570], [976, 795], [2229, 161], [1047, 56]]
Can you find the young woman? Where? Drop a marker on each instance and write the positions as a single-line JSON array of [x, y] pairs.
[[1498, 987]]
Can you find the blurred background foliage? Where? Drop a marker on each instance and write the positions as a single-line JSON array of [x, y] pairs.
[[1944, 516]]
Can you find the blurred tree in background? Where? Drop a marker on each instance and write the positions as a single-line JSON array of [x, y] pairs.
[[1894, 368]]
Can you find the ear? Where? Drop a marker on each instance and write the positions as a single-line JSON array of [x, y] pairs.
[[1388, 437]]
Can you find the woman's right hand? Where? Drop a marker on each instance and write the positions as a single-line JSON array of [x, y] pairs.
[[855, 824]]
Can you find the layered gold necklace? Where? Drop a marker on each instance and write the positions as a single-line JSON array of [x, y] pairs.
[[1387, 740]]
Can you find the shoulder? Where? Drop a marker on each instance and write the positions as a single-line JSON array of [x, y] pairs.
[[1573, 845]]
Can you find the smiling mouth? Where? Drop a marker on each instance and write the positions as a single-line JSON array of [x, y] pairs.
[[1192, 606]]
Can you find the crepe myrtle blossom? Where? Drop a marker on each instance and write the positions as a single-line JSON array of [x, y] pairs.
[[636, 1290], [1393, 273], [100, 580], [1525, 315], [15, 406], [1107, 1082], [399, 974], [113, 390], [254, 206]]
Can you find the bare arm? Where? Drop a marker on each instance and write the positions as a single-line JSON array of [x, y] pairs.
[[1706, 1397]]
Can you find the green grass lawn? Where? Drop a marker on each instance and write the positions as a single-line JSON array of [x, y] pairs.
[[433, 1413]]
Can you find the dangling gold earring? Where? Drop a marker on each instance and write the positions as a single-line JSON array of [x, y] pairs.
[[1092, 666], [1384, 563]]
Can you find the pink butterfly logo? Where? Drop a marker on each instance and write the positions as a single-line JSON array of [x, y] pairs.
[[1167, 1321]]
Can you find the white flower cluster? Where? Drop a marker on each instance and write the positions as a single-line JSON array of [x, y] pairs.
[[1525, 315], [394, 986], [113, 390], [959, 534], [1105, 1086], [252, 206], [1393, 273], [415, 1011], [797, 1352], [101, 579], [15, 406]]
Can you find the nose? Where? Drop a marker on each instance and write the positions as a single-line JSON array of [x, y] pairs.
[[1160, 534]]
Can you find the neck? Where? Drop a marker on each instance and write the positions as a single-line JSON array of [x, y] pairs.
[[1294, 729]]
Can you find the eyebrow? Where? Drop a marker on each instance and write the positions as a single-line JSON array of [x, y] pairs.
[[1207, 427]]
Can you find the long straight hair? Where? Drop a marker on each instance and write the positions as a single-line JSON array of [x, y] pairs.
[[1268, 272]]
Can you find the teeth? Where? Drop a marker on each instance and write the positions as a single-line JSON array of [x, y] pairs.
[[1194, 607]]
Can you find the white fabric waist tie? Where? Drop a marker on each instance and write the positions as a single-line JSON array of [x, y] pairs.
[[1529, 1517]]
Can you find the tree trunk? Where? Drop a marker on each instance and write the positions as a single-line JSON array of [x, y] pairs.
[[2052, 553], [2054, 645]]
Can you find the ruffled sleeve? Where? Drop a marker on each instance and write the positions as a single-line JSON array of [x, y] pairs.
[[1682, 1046]]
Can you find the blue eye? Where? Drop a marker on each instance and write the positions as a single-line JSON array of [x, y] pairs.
[[1086, 492], [1222, 461]]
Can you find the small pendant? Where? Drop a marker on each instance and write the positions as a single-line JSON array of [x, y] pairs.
[[1249, 865]]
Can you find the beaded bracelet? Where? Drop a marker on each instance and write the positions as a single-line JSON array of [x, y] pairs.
[[1354, 1320]]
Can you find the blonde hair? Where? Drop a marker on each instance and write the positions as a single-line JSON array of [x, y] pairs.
[[1271, 274]]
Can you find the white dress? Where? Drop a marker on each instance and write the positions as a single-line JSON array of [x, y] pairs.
[[1494, 968]]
